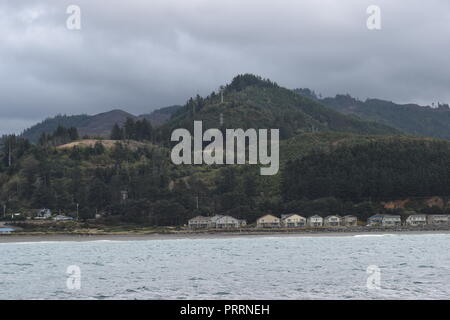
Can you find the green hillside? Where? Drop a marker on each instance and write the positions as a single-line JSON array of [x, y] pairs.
[[252, 102]]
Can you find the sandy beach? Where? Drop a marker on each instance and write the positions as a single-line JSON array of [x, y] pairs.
[[21, 238]]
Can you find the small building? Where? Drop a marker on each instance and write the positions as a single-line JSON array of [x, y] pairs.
[[315, 221], [375, 220], [391, 221], [268, 221], [228, 222], [199, 222], [43, 214], [332, 221], [349, 221], [437, 219], [416, 220], [293, 221], [213, 220]]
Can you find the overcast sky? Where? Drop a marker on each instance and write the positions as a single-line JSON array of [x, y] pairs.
[[141, 55]]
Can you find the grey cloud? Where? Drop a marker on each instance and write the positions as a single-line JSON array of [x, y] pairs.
[[139, 55]]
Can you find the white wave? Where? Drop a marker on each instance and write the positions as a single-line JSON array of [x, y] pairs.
[[373, 235]]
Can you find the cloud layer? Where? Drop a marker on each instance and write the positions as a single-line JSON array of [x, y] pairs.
[[139, 55]]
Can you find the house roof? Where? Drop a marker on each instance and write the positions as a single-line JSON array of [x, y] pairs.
[[332, 216], [200, 218], [227, 217], [268, 216], [286, 216]]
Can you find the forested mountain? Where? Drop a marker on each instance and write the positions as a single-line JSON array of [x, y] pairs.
[[252, 102], [330, 164], [409, 118]]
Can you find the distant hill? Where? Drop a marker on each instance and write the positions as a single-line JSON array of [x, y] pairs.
[[408, 118], [160, 116], [95, 125], [49, 125], [252, 102]]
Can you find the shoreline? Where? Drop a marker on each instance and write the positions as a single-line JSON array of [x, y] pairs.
[[68, 237]]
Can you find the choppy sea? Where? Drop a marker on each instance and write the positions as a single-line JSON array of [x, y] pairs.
[[343, 267]]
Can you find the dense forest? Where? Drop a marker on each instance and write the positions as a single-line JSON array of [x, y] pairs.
[[378, 170]]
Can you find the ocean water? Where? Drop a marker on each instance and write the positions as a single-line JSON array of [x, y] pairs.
[[411, 267]]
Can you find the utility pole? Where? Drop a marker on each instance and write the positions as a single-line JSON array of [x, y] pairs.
[[9, 153], [4, 210], [221, 94], [77, 210], [197, 201]]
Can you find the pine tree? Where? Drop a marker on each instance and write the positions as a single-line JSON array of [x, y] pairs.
[[116, 133]]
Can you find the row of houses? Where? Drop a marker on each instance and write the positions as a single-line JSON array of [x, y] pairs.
[[387, 220], [270, 221], [298, 221], [216, 222]]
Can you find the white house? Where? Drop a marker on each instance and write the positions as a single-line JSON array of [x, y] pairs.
[[391, 221], [385, 220], [416, 220], [268, 221], [199, 222], [332, 221], [228, 222], [213, 220], [43, 214], [293, 221], [437, 219], [315, 221]]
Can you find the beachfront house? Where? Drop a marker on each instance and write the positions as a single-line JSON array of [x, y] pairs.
[[268, 221], [43, 214], [437, 219], [213, 220], [199, 222], [375, 220], [349, 221], [384, 220], [315, 221], [293, 221], [228, 222], [391, 221], [332, 221], [416, 220]]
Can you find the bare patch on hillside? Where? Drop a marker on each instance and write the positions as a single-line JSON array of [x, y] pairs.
[[106, 143]]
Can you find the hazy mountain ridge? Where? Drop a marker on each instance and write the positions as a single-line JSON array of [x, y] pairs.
[[408, 118], [95, 125]]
